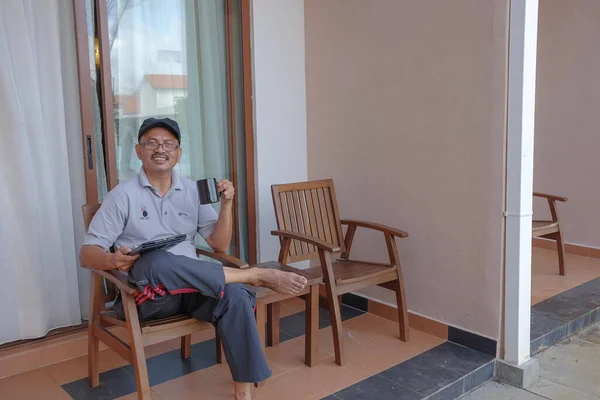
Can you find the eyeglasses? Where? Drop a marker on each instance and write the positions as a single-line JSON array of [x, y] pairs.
[[153, 145]]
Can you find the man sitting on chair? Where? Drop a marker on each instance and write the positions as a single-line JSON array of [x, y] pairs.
[[159, 203]]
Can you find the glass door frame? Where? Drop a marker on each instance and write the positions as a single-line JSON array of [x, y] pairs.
[[108, 125]]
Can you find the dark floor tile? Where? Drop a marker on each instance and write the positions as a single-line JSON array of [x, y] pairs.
[[331, 397], [548, 339], [355, 301], [456, 358], [478, 377], [293, 325], [284, 337], [113, 384], [379, 388], [566, 306], [421, 375], [346, 311], [168, 366], [472, 341], [580, 323], [542, 324], [451, 392], [535, 347]]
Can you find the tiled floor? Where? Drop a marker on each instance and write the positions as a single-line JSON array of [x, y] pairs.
[[379, 365], [377, 360], [545, 280], [562, 305]]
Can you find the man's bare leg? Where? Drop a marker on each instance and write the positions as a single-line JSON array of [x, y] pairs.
[[243, 391], [276, 280]]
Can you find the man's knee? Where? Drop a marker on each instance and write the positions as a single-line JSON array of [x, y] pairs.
[[155, 260], [238, 294]]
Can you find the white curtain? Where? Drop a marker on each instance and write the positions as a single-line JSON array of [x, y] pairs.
[[37, 251], [207, 114]]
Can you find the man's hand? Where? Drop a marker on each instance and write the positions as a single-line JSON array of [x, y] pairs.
[[122, 261], [227, 190]]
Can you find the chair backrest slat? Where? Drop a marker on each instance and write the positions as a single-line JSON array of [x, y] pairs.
[[309, 208]]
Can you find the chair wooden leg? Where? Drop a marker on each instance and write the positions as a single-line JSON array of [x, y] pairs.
[[219, 349], [312, 326], [403, 324], [273, 316], [561, 253], [335, 314], [334, 308], [137, 348], [261, 320], [93, 343], [186, 346]]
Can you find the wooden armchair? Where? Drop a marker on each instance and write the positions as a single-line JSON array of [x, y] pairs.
[[140, 333], [551, 229], [310, 227]]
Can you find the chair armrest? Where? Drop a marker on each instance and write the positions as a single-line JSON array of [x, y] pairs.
[[377, 227], [321, 244], [549, 196], [119, 280], [223, 258]]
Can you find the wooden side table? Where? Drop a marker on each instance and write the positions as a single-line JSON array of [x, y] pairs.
[[266, 298]]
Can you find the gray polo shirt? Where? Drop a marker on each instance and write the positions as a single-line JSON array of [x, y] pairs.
[[134, 213]]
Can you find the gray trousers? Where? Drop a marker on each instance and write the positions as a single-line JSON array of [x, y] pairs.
[[171, 284]]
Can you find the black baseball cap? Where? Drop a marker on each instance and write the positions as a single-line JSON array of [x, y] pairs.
[[167, 123]]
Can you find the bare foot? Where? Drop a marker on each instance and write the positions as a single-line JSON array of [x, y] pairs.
[[281, 281], [243, 391]]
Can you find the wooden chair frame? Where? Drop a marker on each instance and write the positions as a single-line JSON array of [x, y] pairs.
[[139, 334], [309, 227], [551, 229]]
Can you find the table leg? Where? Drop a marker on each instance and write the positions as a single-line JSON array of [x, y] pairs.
[[312, 326], [273, 315], [261, 320]]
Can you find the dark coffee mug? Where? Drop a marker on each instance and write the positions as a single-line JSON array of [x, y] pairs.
[[208, 191]]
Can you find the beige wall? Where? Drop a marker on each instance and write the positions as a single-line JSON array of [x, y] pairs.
[[406, 110], [567, 133]]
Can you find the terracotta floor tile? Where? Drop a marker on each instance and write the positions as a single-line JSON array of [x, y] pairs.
[[133, 396], [197, 337], [157, 349], [330, 376], [371, 328], [292, 306], [288, 386], [77, 368], [221, 371], [376, 357], [545, 280], [33, 385], [290, 355], [199, 384]]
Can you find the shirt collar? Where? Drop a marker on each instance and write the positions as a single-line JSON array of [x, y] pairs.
[[176, 181]]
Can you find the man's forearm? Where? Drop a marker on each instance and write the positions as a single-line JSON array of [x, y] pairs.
[[220, 238], [96, 257]]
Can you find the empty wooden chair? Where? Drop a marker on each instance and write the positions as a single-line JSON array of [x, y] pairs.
[[309, 227], [551, 229]]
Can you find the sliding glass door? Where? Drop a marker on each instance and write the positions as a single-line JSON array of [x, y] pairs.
[[182, 59]]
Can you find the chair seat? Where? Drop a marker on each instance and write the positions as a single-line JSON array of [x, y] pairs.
[[350, 271], [542, 228], [158, 324]]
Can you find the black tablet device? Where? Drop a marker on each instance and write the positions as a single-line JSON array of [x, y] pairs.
[[163, 244]]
